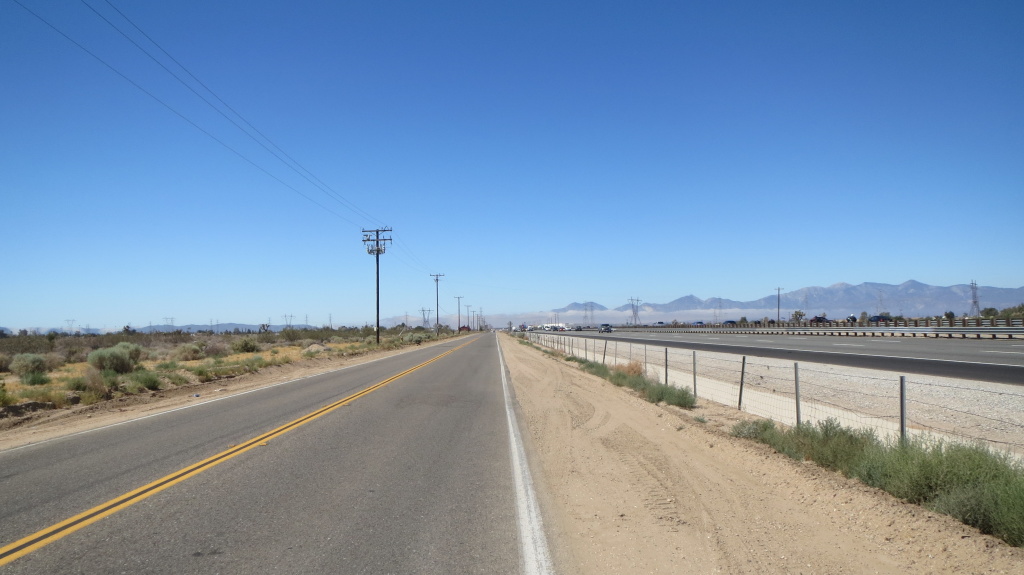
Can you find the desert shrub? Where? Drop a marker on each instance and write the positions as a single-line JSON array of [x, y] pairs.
[[5, 362], [146, 379], [6, 398], [678, 396], [57, 397], [190, 352], [133, 351], [102, 381], [91, 397], [168, 366], [216, 349], [111, 358], [75, 355], [631, 368], [176, 378], [76, 384], [54, 361], [26, 363], [35, 378], [245, 345], [598, 369], [757, 429]]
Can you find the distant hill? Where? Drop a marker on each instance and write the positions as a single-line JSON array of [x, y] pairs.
[[910, 299]]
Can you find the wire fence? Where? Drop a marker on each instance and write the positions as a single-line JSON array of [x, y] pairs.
[[892, 405]]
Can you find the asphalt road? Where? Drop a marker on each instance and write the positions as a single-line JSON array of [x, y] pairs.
[[413, 477], [997, 360]]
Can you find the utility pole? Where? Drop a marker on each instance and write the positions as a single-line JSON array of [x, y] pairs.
[[778, 304], [458, 308], [468, 314], [437, 302], [375, 246]]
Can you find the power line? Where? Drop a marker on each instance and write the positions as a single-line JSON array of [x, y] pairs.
[[180, 115], [291, 162]]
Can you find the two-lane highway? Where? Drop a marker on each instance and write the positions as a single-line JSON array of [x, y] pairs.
[[395, 466], [996, 360]]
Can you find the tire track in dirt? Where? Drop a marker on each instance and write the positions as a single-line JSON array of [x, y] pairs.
[[637, 488]]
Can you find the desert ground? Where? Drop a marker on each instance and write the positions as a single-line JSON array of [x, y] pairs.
[[631, 487]]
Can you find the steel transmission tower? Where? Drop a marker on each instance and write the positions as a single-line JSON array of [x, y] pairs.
[[975, 306], [375, 246], [635, 304]]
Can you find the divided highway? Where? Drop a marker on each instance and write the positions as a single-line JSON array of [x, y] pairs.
[[401, 465], [996, 360]]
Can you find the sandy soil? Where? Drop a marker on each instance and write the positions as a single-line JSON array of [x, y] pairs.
[[631, 487]]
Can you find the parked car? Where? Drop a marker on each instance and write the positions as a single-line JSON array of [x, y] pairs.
[[605, 328]]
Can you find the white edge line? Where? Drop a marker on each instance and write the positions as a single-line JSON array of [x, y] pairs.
[[535, 557]]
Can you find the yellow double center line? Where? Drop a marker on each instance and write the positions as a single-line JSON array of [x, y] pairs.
[[54, 532]]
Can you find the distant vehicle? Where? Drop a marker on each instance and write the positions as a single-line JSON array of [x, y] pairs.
[[578, 328], [729, 322], [851, 318], [818, 319], [605, 328], [696, 323], [878, 318]]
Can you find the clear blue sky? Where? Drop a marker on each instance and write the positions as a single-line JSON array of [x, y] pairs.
[[536, 153]]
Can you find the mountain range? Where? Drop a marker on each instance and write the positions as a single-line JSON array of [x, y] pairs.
[[910, 299]]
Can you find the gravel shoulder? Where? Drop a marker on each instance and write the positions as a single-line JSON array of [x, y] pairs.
[[632, 487]]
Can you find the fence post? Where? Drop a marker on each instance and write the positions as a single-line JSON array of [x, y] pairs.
[[603, 353], [695, 374], [666, 366], [903, 409], [743, 373], [796, 381]]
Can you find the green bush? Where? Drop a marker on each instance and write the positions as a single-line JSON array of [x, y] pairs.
[[26, 363], [146, 379], [35, 378], [190, 352], [133, 351], [971, 483], [115, 359], [245, 345], [5, 362]]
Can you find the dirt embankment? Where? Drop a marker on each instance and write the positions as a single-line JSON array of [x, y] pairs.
[[631, 487]]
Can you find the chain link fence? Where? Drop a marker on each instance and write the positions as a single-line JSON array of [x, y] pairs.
[[892, 405]]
